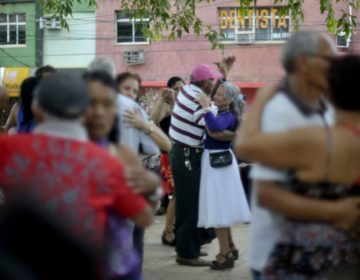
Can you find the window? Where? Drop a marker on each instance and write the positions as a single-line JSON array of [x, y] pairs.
[[260, 24], [342, 41], [12, 29], [130, 30]]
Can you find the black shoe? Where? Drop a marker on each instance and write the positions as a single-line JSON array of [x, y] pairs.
[[192, 262], [207, 235], [207, 241], [228, 263], [234, 252], [166, 242]]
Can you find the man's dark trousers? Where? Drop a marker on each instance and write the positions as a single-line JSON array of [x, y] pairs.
[[187, 187]]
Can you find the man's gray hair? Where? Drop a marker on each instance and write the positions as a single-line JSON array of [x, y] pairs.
[[300, 43], [104, 64]]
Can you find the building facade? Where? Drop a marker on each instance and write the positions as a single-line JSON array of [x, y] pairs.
[[29, 39], [19, 33], [73, 47], [256, 39]]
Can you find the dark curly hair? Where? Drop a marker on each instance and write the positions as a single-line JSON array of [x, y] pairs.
[[344, 87], [173, 80]]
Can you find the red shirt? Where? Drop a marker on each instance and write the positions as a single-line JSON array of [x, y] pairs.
[[76, 180]]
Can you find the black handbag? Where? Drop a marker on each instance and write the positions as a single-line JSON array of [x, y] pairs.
[[221, 159]]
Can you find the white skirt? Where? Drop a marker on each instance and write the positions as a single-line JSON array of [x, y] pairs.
[[222, 201]]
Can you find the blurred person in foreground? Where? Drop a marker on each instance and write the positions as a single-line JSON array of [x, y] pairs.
[[324, 229], [300, 104], [134, 130], [101, 126], [70, 176], [38, 245], [283, 248]]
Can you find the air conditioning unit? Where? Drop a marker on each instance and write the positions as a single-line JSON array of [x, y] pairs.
[[50, 23], [244, 38], [342, 41], [134, 57]]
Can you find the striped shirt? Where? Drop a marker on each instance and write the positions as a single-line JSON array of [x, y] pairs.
[[187, 121]]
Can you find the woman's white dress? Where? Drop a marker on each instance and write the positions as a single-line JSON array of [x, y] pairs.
[[222, 200]]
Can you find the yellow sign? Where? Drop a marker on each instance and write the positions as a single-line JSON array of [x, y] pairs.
[[12, 79], [259, 17]]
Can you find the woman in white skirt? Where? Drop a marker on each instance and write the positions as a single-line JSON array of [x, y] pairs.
[[222, 198]]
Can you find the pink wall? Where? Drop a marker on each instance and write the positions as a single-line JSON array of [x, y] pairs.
[[255, 63]]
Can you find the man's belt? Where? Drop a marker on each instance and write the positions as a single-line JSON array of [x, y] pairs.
[[187, 146]]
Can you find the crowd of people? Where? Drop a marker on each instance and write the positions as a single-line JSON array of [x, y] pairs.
[[95, 167]]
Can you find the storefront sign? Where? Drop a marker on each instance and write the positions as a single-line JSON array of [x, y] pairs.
[[263, 23], [11, 79]]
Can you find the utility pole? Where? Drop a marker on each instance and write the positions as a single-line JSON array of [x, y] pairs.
[[39, 36]]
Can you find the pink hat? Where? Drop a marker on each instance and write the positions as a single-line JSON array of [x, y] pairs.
[[203, 72]]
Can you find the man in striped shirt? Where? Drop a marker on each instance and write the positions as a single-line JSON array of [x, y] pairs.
[[187, 130]]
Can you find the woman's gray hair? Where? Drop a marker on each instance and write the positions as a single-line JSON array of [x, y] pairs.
[[103, 64], [233, 94], [300, 43]]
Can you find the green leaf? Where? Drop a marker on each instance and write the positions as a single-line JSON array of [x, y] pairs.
[[179, 16]]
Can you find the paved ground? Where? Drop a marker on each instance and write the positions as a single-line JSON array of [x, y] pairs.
[[160, 263]]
